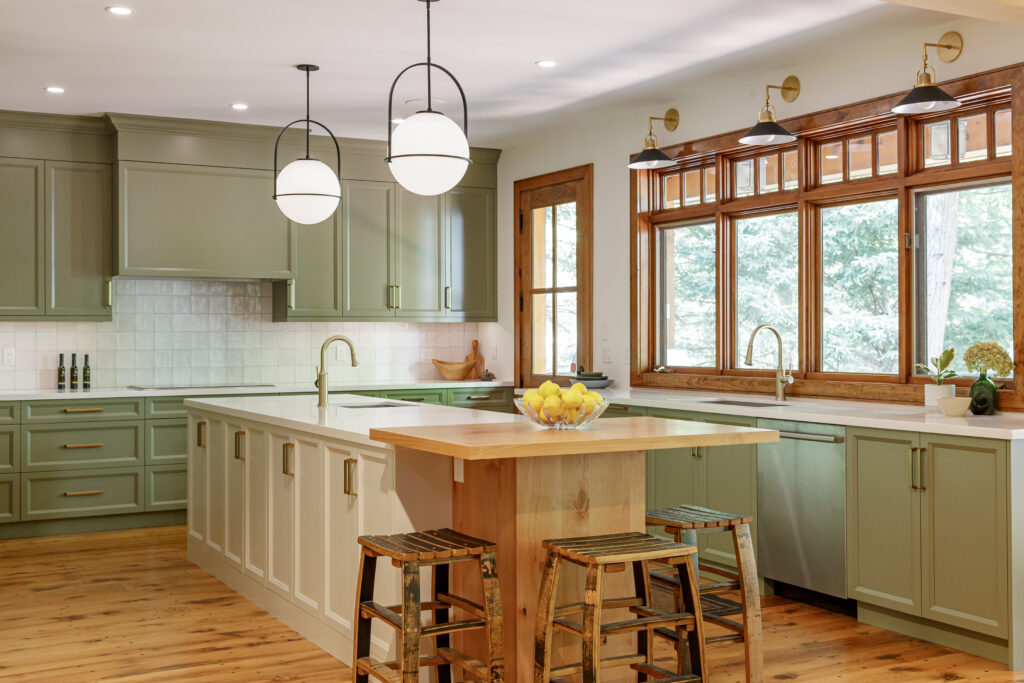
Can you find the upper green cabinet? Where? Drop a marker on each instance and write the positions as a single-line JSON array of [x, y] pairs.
[[368, 210], [419, 257], [177, 220], [56, 260], [317, 251], [471, 284]]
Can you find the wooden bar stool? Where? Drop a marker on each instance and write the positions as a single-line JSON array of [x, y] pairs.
[[438, 548], [598, 554], [683, 522]]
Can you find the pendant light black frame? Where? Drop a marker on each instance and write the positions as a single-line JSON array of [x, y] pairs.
[[430, 64], [337, 149]]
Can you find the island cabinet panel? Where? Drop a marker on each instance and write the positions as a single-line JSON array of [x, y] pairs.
[[471, 287], [730, 485], [419, 256], [22, 260], [281, 511], [176, 220], [343, 473], [216, 482], [234, 494], [964, 533], [883, 520], [368, 210], [198, 435], [309, 524], [257, 471]]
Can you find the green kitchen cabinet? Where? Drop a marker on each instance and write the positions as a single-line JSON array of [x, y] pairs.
[[10, 412], [315, 291], [497, 399], [22, 260], [81, 410], [79, 235], [470, 282], [166, 487], [88, 445], [166, 441], [433, 396], [419, 257], [730, 485], [85, 493], [674, 475], [10, 497], [161, 407], [179, 220], [619, 410], [10, 449], [368, 210]]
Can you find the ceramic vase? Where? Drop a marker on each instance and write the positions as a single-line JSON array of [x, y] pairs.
[[933, 392], [983, 396]]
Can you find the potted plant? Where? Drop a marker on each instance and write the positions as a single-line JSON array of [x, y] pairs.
[[941, 372], [981, 358]]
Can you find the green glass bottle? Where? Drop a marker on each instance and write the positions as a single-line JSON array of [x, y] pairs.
[[74, 372], [60, 374], [86, 375]]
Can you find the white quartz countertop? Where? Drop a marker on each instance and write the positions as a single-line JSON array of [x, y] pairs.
[[896, 416], [255, 390], [342, 419]]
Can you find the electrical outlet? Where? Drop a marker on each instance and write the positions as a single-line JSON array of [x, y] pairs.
[[9, 357]]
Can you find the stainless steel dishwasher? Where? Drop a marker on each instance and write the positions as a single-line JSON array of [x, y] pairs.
[[801, 506]]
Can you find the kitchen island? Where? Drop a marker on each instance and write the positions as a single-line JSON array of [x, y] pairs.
[[279, 490]]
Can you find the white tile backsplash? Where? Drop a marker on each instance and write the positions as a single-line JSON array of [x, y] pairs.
[[209, 331]]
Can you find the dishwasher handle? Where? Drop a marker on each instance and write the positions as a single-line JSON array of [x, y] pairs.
[[820, 438]]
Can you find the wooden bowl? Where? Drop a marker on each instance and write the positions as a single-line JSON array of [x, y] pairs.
[[453, 371]]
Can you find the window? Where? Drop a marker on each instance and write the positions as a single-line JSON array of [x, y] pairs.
[[860, 156], [964, 270], [860, 287], [688, 188], [553, 260], [982, 134], [767, 286], [687, 295]]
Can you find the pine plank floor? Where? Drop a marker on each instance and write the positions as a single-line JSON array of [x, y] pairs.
[[128, 606]]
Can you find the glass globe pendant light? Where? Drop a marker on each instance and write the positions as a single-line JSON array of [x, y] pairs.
[[307, 191], [926, 96], [428, 153]]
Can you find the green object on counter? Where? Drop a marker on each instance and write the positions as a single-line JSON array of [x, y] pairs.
[[983, 396]]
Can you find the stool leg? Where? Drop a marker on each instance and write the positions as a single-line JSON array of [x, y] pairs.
[[494, 629], [689, 537], [751, 598], [592, 624], [364, 582], [691, 644], [645, 638], [545, 618], [411, 625], [440, 585]]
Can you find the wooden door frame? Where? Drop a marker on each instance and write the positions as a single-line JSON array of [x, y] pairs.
[[584, 258]]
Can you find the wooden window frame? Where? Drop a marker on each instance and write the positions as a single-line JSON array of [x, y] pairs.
[[584, 175], [988, 92]]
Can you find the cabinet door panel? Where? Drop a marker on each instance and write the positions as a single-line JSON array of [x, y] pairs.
[[964, 544], [368, 220], [198, 426], [166, 441], [166, 487], [216, 483], [316, 287], [309, 525], [256, 472], [10, 498], [341, 532], [469, 214], [883, 520], [281, 504], [79, 235], [234, 500], [673, 474], [22, 260], [419, 256], [730, 485]]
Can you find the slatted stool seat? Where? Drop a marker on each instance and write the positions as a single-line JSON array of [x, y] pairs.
[[439, 549], [684, 522], [613, 552]]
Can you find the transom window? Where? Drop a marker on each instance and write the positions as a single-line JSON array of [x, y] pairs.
[[855, 157]]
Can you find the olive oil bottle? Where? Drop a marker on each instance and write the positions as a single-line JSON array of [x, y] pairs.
[[74, 372], [86, 375], [60, 374]]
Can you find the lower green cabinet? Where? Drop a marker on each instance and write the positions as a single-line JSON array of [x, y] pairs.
[[10, 449], [10, 495], [433, 396], [81, 446], [618, 410], [498, 399], [82, 493], [166, 441], [166, 487]]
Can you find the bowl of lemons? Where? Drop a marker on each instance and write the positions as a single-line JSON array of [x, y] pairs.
[[556, 407]]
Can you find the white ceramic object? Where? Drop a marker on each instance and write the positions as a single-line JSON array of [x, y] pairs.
[[933, 392], [954, 406]]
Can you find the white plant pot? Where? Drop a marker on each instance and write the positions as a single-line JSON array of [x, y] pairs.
[[933, 392]]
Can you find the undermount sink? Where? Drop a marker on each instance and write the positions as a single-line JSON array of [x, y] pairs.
[[199, 386], [749, 404], [373, 405]]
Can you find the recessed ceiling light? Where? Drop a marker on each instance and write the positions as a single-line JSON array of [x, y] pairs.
[[120, 10], [239, 106], [54, 89], [546, 64]]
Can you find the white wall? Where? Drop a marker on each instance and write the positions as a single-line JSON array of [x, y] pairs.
[[857, 60]]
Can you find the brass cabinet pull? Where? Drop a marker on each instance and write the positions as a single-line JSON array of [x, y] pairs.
[[921, 452], [620, 408], [448, 297], [291, 295], [478, 398], [75, 494], [109, 303], [238, 445], [286, 459], [415, 399], [70, 446], [201, 434], [83, 410], [350, 464], [913, 467]]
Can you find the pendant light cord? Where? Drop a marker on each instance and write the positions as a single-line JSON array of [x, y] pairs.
[[429, 93], [307, 113]]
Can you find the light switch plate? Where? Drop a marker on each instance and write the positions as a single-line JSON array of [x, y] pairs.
[[9, 357], [460, 470]]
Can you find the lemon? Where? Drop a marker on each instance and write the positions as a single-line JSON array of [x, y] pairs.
[[553, 407], [580, 387], [572, 398], [594, 395], [589, 404], [533, 399], [548, 388]]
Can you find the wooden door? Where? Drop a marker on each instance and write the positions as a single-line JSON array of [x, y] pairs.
[[198, 436], [883, 519], [730, 485], [471, 282], [368, 219], [419, 257], [309, 525], [216, 482], [234, 493], [22, 259], [257, 470], [79, 236], [964, 532], [281, 512]]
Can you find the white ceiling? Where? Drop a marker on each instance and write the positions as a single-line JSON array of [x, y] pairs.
[[193, 58]]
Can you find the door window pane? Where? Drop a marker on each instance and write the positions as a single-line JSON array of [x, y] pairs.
[[767, 287], [543, 333], [744, 173], [687, 296], [565, 333], [936, 144], [543, 247], [964, 271], [768, 174], [710, 184], [859, 154], [831, 162], [565, 234], [671, 191], [972, 138], [692, 187], [887, 158], [791, 176], [1004, 144], [860, 288]]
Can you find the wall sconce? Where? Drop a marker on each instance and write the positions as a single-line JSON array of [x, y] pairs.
[[926, 96], [767, 131], [651, 157]]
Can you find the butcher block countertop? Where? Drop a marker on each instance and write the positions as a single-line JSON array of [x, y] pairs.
[[523, 439]]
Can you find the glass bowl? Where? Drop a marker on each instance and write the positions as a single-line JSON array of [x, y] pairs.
[[582, 417]]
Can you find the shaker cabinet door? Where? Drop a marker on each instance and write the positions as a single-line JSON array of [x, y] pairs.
[[257, 451], [22, 259], [471, 281], [198, 436], [368, 217], [730, 485], [281, 510], [419, 257]]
